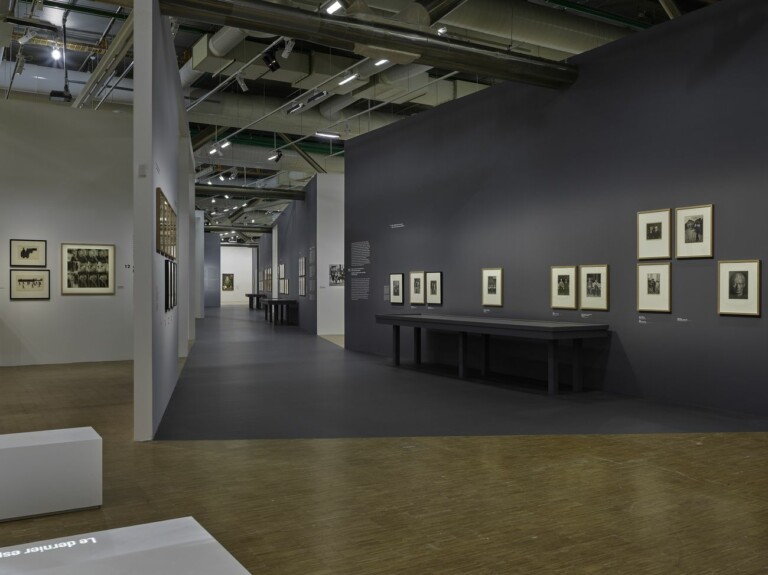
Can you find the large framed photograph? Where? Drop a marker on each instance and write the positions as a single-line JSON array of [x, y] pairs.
[[593, 287], [738, 287], [416, 282], [434, 287], [29, 253], [654, 287], [30, 284], [493, 290], [563, 287], [694, 231], [654, 234], [87, 269], [396, 288]]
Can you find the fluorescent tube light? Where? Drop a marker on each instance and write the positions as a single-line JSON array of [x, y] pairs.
[[324, 134], [382, 62], [333, 8], [348, 79]]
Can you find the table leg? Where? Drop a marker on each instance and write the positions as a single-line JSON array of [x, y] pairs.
[[396, 344], [250, 302], [266, 312], [417, 345], [577, 376], [282, 314], [484, 359], [552, 367], [462, 353]]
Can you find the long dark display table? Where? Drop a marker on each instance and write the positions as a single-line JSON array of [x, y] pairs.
[[549, 331], [276, 309]]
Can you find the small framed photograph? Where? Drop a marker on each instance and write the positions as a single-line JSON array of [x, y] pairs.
[[416, 281], [280, 271], [738, 287], [227, 282], [87, 269], [434, 287], [654, 287], [654, 235], [694, 232], [493, 290], [30, 284], [336, 274], [302, 286], [29, 253], [563, 284], [593, 287], [396, 289], [168, 281]]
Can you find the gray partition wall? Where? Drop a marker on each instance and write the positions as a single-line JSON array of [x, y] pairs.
[[525, 178]]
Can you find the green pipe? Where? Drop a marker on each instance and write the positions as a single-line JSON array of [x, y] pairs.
[[576, 7]]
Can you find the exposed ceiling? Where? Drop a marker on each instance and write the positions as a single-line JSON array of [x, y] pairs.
[[265, 77]]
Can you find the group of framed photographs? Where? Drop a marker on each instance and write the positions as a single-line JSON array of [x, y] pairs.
[[86, 269], [282, 281], [165, 230], [424, 288], [585, 287], [738, 281]]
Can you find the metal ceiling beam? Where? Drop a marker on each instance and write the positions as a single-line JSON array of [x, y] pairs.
[[671, 8], [306, 157], [205, 191], [348, 34], [437, 9], [244, 229]]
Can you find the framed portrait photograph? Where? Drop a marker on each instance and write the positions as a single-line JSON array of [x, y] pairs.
[[654, 235], [87, 269], [30, 284], [593, 287], [416, 283], [563, 287], [396, 289], [654, 287], [493, 290], [434, 287], [694, 227], [227, 282], [336, 274], [738, 287], [29, 253]]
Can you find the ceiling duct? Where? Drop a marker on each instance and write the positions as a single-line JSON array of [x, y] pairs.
[[348, 33]]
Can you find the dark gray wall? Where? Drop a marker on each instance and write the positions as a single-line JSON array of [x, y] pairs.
[[212, 270], [525, 178]]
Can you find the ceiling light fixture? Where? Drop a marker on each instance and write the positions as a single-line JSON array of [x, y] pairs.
[[213, 150], [442, 31], [324, 134], [241, 83], [334, 7], [275, 156], [226, 196], [56, 54], [316, 96], [348, 79], [233, 174], [270, 60], [289, 44], [382, 62], [221, 177], [295, 108], [213, 200], [225, 144], [27, 37]]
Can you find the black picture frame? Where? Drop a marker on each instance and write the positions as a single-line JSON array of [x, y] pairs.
[[28, 253]]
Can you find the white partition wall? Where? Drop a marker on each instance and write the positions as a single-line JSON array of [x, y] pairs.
[[239, 263], [330, 251]]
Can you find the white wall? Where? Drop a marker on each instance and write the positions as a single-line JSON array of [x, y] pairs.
[[237, 261], [330, 250], [66, 178]]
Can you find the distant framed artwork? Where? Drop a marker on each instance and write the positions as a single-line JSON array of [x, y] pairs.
[[29, 253], [165, 230], [654, 234], [654, 287], [280, 271], [493, 289], [168, 280], [694, 227], [174, 284], [434, 287], [30, 284], [593, 287], [396, 288], [563, 287], [302, 286], [336, 274], [87, 269], [227, 282], [416, 283], [738, 287]]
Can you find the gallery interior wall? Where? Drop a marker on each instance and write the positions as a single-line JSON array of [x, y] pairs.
[[66, 179], [237, 261], [212, 270], [525, 178], [330, 251]]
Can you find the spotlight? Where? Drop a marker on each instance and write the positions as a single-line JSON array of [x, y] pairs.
[[382, 62], [442, 31], [289, 44], [60, 96], [275, 156], [233, 174], [221, 177], [241, 83], [56, 54], [20, 61], [270, 60], [27, 37]]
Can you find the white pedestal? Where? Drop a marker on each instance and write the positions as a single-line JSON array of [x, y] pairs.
[[49, 472], [174, 547]]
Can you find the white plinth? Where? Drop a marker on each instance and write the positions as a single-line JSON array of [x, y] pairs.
[[174, 547], [49, 472]]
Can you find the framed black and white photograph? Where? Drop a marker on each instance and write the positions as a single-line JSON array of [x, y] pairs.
[[563, 287], [168, 281], [227, 282], [738, 287], [336, 274], [493, 290], [29, 253], [654, 287], [87, 269], [396, 288], [654, 234], [281, 271], [30, 284], [174, 284], [694, 232], [593, 287], [434, 287], [302, 286], [416, 284], [302, 266]]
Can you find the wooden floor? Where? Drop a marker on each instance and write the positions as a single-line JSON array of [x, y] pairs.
[[621, 504]]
